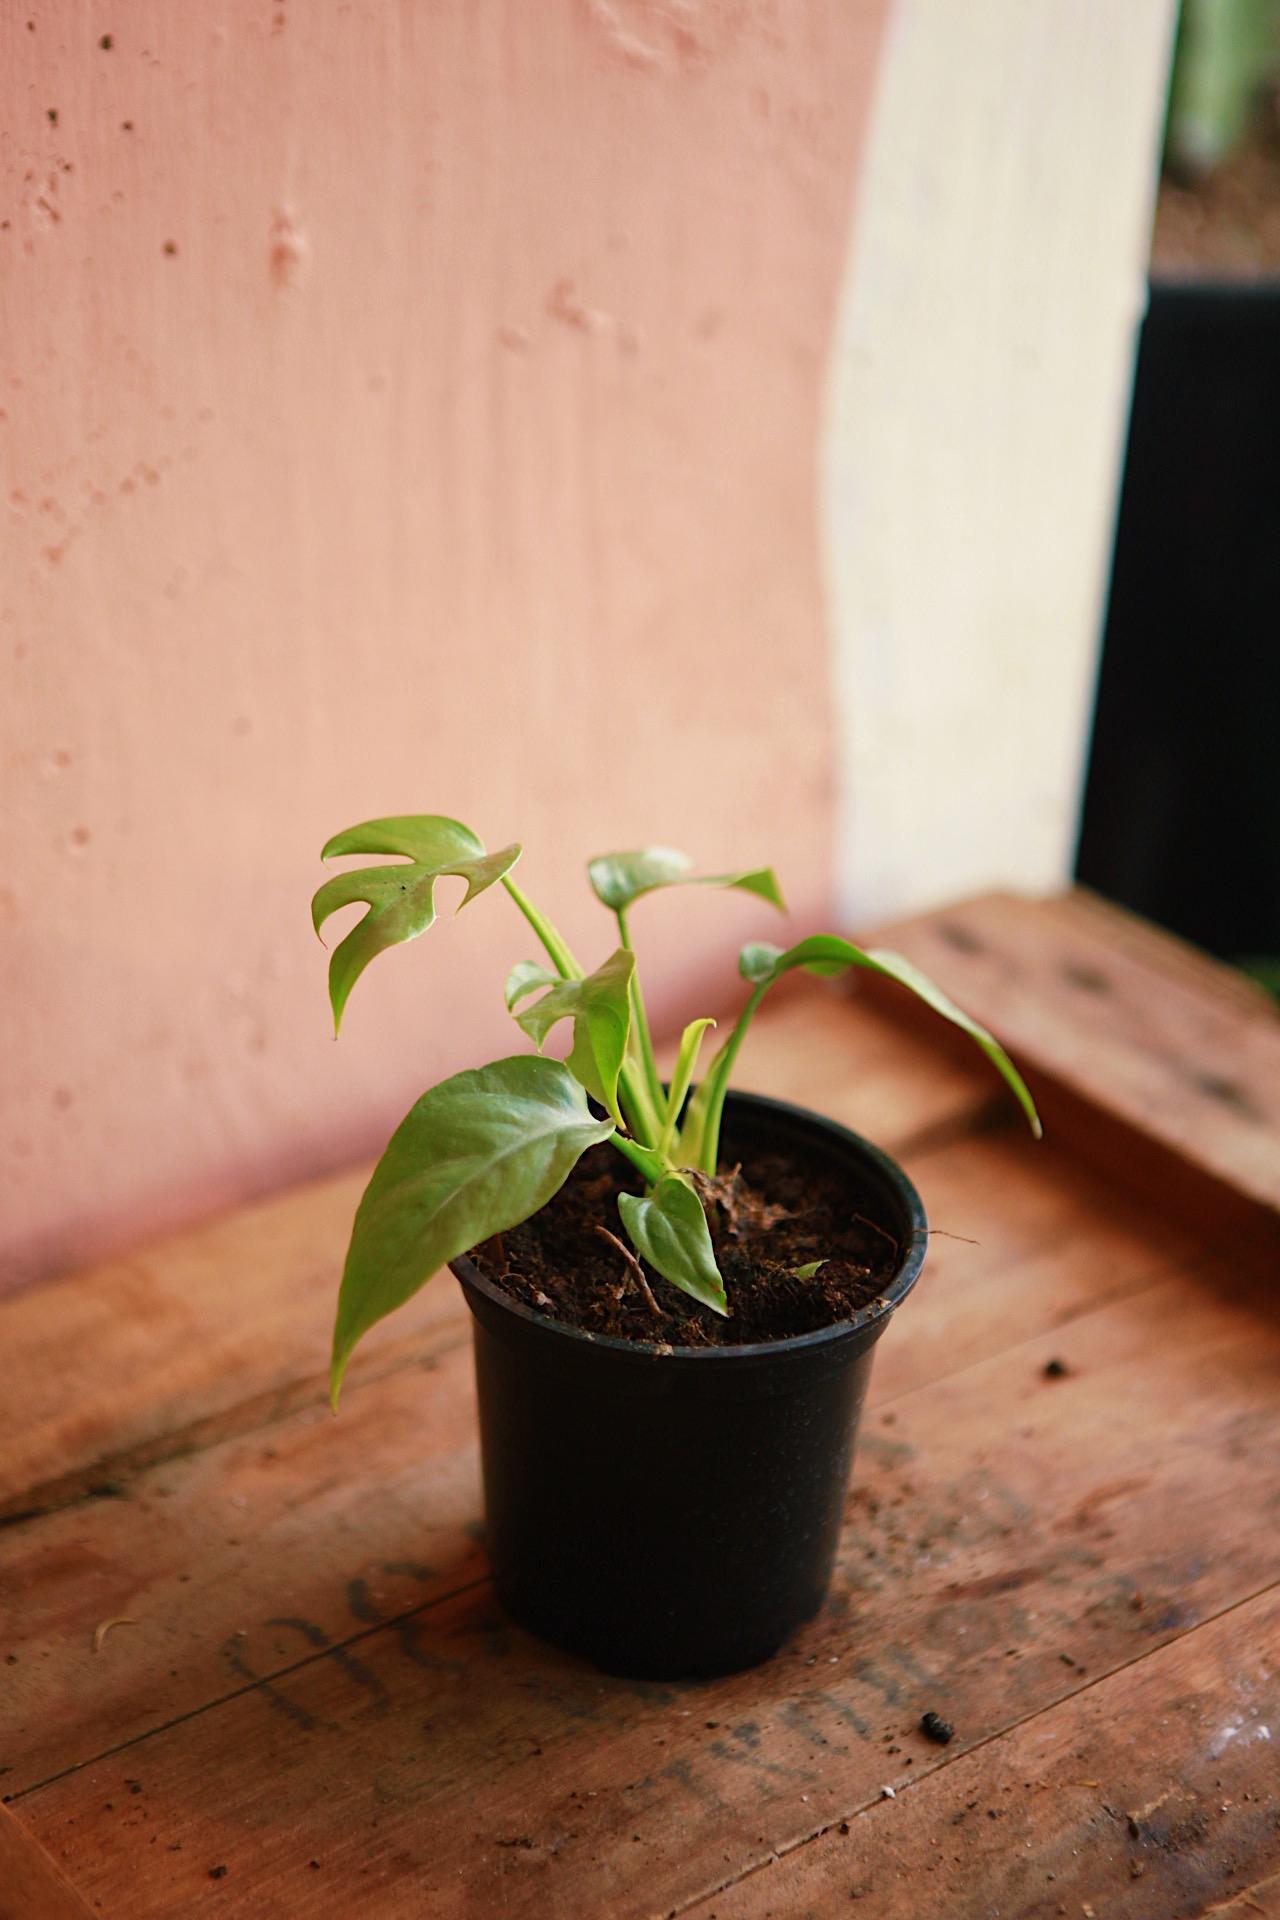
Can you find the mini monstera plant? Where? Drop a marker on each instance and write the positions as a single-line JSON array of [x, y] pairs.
[[485, 1149]]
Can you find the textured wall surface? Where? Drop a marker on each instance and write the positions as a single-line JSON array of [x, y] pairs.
[[404, 407]]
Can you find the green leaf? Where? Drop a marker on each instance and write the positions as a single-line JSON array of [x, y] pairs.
[[476, 1155], [827, 953], [651, 1164], [619, 878], [669, 1227], [524, 978], [807, 1271], [400, 899], [426, 837], [685, 1067], [600, 1007]]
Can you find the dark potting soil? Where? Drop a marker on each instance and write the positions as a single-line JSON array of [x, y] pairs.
[[767, 1218]]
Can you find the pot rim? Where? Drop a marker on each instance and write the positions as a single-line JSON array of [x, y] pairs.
[[908, 1272]]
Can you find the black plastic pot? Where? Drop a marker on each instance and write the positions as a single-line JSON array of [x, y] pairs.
[[674, 1514]]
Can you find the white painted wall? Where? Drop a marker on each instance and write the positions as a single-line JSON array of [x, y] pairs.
[[981, 376]]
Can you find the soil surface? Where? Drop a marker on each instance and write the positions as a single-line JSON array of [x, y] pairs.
[[769, 1218]]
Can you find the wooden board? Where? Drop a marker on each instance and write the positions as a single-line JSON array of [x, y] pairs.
[[187, 1552], [31, 1887], [1001, 1530], [266, 1671], [1152, 1793], [1146, 1050]]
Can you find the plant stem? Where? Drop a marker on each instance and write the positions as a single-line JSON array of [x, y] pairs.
[[681, 1076], [644, 1120], [721, 1068], [640, 1017], [557, 951], [646, 1159]]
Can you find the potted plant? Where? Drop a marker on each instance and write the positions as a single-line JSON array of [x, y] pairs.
[[676, 1288]]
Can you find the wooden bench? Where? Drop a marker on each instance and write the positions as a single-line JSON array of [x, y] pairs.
[[249, 1657]]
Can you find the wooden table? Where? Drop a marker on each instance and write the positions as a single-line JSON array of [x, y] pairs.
[[250, 1662]]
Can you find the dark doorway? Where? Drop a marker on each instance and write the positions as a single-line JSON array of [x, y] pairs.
[[1182, 804]]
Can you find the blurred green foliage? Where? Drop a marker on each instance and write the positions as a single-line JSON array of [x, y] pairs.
[[1226, 57]]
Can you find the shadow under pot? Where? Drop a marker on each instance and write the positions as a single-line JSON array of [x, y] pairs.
[[675, 1512]]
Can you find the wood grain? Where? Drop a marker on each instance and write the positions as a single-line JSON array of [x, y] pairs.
[[1151, 1059], [189, 1548], [1153, 1795], [261, 1665], [31, 1887], [1009, 1540]]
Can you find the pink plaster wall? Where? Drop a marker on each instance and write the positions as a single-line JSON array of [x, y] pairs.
[[404, 407]]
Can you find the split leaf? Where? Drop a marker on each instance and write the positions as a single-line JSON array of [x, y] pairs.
[[400, 898], [599, 1006], [525, 978]]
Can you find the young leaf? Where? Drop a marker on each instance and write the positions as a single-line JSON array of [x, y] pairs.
[[524, 978], [826, 953], [807, 1271], [686, 1065], [401, 899], [476, 1155], [700, 1130], [619, 878], [670, 1229], [600, 1007]]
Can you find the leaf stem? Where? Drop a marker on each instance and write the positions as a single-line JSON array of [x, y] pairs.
[[640, 1016], [642, 1117], [556, 948], [647, 1160], [721, 1068]]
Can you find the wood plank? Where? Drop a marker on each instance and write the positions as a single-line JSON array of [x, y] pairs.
[[1116, 1022], [108, 1366], [1153, 1793], [228, 1324], [312, 1593], [189, 1549], [1009, 1540], [31, 1886], [1023, 1239]]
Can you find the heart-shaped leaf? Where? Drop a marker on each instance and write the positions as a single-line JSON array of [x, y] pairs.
[[827, 953], [619, 878], [599, 1006], [669, 1227], [477, 1154], [401, 899]]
